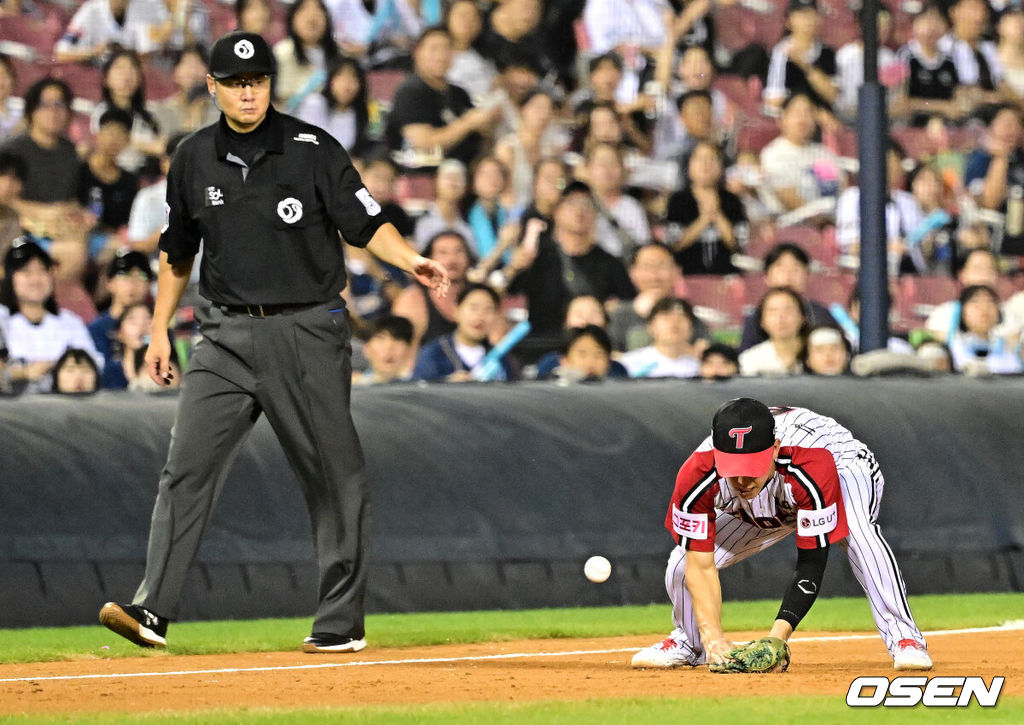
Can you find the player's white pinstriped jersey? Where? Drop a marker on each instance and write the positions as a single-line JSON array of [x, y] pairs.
[[807, 429]]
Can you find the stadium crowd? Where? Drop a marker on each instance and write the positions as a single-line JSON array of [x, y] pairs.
[[661, 188]]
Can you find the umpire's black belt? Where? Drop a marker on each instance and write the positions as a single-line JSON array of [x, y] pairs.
[[267, 310]]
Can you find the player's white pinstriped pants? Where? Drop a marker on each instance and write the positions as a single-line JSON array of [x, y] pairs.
[[870, 557]]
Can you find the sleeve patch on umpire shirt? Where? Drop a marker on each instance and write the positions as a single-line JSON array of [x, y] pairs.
[[690, 526], [816, 521], [368, 202]]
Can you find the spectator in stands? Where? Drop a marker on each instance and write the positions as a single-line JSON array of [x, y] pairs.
[[430, 116], [12, 181], [705, 223], [1003, 186], [798, 170], [380, 32], [512, 33], [75, 373], [655, 274], [130, 336], [981, 344], [104, 188], [672, 352], [850, 64], [124, 88], [254, 16], [850, 323], [934, 249], [186, 24], [518, 75], [128, 279], [695, 72], [581, 312], [433, 316], [147, 216], [634, 29], [800, 63], [469, 69], [604, 124], [827, 352], [49, 156], [1010, 47], [379, 174], [697, 120], [190, 107], [976, 59], [303, 56], [902, 215], [585, 356], [389, 351], [787, 265], [101, 27], [932, 84], [494, 224], [452, 357], [445, 212], [603, 78], [537, 137], [566, 262], [36, 331], [622, 221], [782, 321], [978, 267], [719, 362], [550, 177], [1003, 135], [11, 108], [342, 107]]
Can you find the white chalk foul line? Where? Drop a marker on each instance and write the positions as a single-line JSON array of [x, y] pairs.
[[1018, 624]]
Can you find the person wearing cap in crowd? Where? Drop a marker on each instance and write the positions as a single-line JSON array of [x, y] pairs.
[[827, 351], [129, 276], [35, 330], [763, 474], [267, 195], [566, 262]]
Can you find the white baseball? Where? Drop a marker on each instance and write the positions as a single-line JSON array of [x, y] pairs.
[[597, 569]]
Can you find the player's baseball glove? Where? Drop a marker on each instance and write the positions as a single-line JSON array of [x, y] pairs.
[[768, 654]]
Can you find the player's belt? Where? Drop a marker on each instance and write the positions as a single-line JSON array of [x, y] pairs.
[[267, 310]]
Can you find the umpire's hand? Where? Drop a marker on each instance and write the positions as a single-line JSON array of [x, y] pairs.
[[158, 360], [432, 275]]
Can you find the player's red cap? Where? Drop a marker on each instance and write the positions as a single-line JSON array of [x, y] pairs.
[[743, 435]]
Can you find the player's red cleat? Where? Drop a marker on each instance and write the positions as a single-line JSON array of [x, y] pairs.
[[911, 655]]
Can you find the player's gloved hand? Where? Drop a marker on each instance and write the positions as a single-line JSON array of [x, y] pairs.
[[768, 654]]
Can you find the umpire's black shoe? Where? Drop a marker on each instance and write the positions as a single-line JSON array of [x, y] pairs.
[[331, 644], [136, 624]]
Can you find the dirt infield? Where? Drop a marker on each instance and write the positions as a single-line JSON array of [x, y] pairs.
[[520, 671]]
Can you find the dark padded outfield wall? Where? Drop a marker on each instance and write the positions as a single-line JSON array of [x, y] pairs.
[[491, 496]]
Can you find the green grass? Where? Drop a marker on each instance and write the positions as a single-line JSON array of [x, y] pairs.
[[820, 710], [399, 630]]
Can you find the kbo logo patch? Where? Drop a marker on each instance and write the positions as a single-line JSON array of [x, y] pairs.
[[290, 210], [244, 49]]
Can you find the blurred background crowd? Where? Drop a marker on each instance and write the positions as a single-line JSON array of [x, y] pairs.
[[661, 188]]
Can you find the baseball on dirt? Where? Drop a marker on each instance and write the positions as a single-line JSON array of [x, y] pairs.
[[597, 569]]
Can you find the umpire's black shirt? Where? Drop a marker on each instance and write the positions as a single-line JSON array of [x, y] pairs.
[[269, 226]]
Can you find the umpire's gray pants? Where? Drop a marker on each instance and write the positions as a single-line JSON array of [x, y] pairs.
[[296, 368]]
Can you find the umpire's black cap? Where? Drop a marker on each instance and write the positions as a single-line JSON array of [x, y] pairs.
[[241, 52]]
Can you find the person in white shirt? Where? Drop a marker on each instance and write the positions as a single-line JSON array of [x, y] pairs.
[[981, 344], [622, 222], [671, 354], [469, 69], [634, 29], [850, 67], [11, 107], [976, 59], [798, 170], [342, 108], [36, 332], [99, 25], [782, 318]]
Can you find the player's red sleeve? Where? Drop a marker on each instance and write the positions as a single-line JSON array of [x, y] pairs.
[[821, 513], [691, 512]]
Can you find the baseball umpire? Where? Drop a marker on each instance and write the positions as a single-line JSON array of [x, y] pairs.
[[267, 195], [763, 474]]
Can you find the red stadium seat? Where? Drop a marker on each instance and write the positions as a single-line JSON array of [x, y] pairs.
[[724, 295], [38, 33], [756, 134], [84, 80], [382, 84], [829, 287]]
